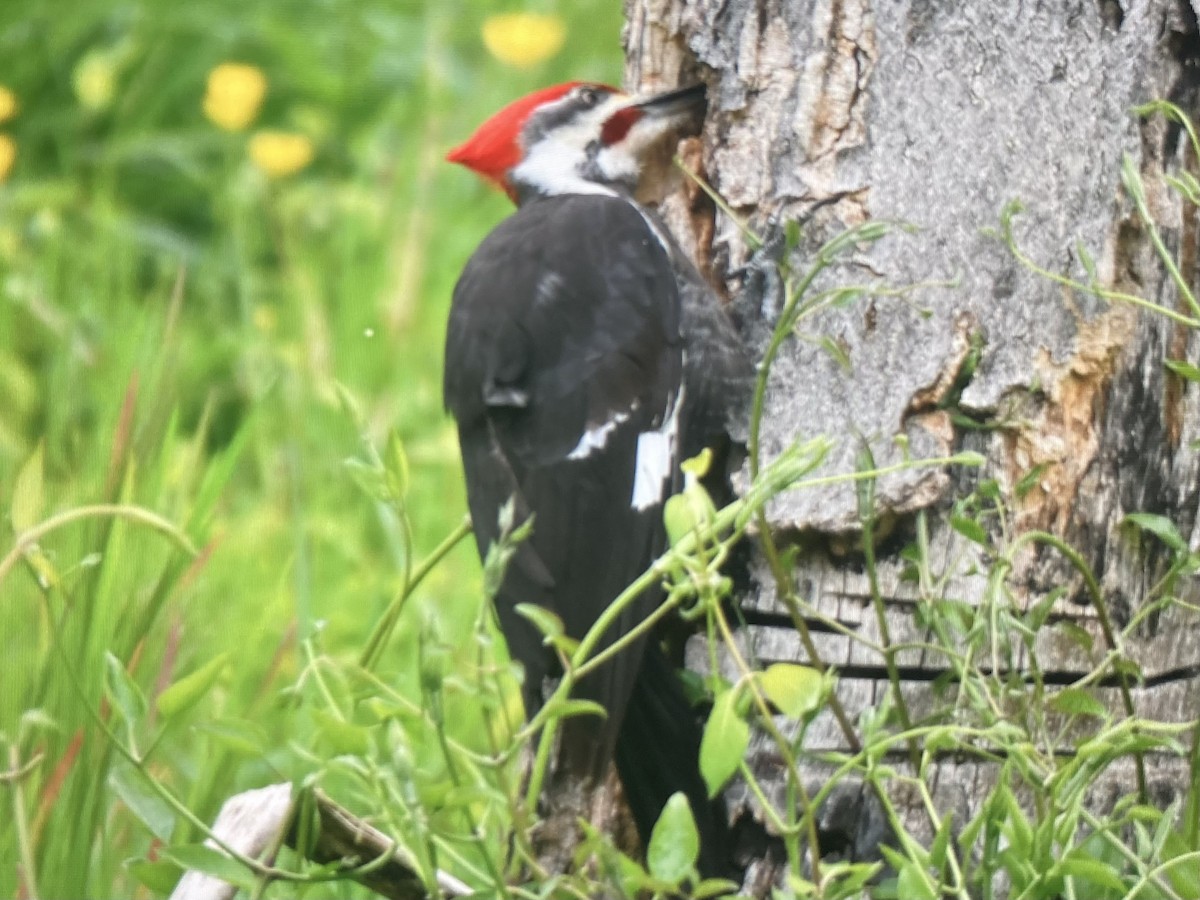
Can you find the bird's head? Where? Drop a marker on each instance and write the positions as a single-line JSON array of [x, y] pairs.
[[577, 138]]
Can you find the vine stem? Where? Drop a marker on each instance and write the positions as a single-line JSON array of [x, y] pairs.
[[1110, 635], [387, 622], [29, 538], [795, 787], [1095, 290]]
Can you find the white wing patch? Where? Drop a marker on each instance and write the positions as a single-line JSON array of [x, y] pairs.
[[655, 456], [596, 438]]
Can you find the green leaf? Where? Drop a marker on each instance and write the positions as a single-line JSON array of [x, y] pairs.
[[795, 690], [714, 887], [395, 462], [548, 623], [836, 352], [350, 406], [371, 479], [184, 693], [688, 511], [1183, 369], [989, 489], [969, 528], [941, 740], [698, 465], [136, 792], [1122, 665], [913, 884], [674, 843], [679, 518], [160, 876], [1159, 526], [564, 645], [1183, 874], [471, 794], [434, 665], [200, 858], [1077, 702], [123, 692], [791, 234], [726, 737], [632, 878], [940, 844], [238, 735], [29, 492], [1077, 635], [1093, 871], [1015, 826], [1030, 480], [340, 736]]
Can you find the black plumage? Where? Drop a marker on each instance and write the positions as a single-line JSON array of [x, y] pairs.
[[565, 322], [553, 334]]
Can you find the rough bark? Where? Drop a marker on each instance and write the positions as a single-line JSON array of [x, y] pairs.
[[834, 112]]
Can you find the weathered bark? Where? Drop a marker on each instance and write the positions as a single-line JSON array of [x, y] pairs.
[[834, 112]]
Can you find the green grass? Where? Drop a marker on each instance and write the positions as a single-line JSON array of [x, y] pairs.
[[176, 332]]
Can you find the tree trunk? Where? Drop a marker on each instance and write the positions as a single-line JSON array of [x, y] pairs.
[[837, 112]]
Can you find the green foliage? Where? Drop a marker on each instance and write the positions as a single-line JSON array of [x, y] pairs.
[[796, 691], [180, 541], [674, 844], [723, 745]]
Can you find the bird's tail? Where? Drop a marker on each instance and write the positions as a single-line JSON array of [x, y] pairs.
[[658, 753]]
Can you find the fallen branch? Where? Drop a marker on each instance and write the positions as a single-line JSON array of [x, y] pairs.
[[260, 821]]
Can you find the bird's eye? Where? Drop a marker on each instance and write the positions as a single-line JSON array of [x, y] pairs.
[[589, 96]]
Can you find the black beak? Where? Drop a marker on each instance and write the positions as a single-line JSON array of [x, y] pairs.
[[692, 99], [652, 120]]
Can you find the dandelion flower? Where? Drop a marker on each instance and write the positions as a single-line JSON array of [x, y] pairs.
[[280, 153], [8, 156], [523, 39], [8, 104], [95, 81], [235, 93]]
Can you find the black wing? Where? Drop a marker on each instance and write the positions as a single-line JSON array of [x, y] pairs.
[[718, 373], [563, 370]]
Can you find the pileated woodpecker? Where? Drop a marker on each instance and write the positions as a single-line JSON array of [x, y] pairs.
[[585, 358]]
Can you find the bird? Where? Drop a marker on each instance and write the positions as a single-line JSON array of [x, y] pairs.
[[585, 359]]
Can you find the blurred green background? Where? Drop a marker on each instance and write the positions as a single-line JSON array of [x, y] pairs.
[[192, 293]]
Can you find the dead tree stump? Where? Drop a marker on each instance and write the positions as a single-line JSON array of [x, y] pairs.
[[836, 112]]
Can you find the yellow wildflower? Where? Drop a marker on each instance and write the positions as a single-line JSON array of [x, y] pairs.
[[8, 104], [95, 81], [280, 153], [235, 93], [523, 39], [8, 156]]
